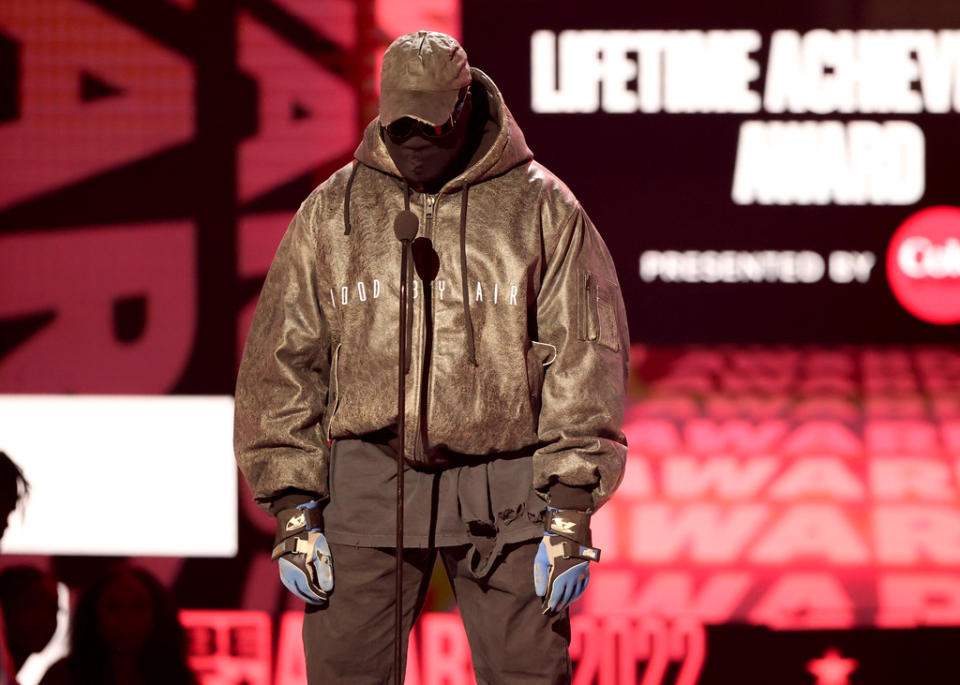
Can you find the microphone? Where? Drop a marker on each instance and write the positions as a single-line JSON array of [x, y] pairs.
[[405, 226], [425, 259]]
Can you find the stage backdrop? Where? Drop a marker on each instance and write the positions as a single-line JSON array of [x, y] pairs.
[[777, 185]]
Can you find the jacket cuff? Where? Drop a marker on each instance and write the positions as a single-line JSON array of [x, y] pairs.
[[568, 497], [290, 498]]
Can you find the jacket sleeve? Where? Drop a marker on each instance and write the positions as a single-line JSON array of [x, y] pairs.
[[284, 374], [580, 312]]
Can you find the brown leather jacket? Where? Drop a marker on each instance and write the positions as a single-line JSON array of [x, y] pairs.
[[528, 353]]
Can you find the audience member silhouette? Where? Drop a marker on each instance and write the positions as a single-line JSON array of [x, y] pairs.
[[13, 489], [125, 631], [28, 597]]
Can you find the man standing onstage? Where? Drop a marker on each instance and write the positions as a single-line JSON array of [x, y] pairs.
[[516, 372]]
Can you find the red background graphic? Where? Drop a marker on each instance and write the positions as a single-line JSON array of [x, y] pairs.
[[235, 646], [792, 495], [788, 487]]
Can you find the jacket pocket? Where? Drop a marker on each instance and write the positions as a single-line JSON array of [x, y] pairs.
[[585, 325], [608, 333], [332, 471], [334, 394], [597, 311]]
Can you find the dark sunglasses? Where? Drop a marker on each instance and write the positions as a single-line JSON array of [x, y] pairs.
[[405, 127]]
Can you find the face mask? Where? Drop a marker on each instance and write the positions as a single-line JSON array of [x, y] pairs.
[[427, 162]]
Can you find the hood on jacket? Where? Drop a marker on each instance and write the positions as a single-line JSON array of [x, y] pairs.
[[502, 146]]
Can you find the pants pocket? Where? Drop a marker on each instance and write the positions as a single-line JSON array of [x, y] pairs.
[[333, 395]]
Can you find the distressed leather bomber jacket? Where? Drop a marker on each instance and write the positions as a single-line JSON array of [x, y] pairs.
[[518, 341]]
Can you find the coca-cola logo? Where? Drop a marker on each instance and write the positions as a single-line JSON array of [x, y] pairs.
[[923, 265]]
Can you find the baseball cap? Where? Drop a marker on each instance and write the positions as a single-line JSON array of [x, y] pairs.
[[421, 77]]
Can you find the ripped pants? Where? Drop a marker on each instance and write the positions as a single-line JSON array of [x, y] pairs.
[[486, 502]]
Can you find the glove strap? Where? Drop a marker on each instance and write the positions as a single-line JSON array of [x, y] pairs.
[[570, 524], [304, 518], [573, 550], [291, 545]]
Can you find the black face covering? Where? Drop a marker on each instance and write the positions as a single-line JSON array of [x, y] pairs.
[[428, 163]]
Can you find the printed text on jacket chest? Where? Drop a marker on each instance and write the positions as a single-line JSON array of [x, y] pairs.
[[478, 292]]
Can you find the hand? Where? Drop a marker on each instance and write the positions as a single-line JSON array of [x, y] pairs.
[[561, 569], [305, 564]]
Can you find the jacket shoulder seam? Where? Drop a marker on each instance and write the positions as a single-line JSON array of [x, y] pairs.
[[562, 229]]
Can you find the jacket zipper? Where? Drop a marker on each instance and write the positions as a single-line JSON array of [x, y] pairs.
[[429, 207], [429, 203]]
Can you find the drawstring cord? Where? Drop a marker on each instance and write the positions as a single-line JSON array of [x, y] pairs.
[[346, 198], [471, 349], [406, 255]]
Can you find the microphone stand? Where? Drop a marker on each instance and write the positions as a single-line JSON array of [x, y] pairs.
[[405, 227]]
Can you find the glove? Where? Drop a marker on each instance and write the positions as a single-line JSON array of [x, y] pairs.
[[306, 567], [561, 569]]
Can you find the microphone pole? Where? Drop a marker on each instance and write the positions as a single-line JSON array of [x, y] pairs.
[[405, 228]]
